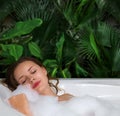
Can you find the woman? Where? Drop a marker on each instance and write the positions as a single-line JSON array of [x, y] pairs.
[[30, 71]]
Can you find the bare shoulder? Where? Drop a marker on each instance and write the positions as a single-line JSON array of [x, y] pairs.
[[65, 97]]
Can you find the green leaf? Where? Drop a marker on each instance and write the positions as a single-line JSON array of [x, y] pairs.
[[22, 28], [13, 50], [50, 63], [66, 73], [80, 71], [51, 66], [35, 50], [16, 51], [54, 72], [59, 51], [94, 46]]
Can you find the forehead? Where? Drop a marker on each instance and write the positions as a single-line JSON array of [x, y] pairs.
[[23, 67], [26, 63]]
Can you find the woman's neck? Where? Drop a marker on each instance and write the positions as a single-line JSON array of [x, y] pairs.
[[49, 92]]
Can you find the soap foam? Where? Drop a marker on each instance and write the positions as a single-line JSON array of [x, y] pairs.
[[77, 106]]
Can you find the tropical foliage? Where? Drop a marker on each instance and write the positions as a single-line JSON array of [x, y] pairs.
[[72, 38]]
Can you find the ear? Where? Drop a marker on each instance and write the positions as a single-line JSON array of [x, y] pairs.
[[44, 70]]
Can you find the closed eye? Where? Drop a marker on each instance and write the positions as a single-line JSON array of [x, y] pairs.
[[33, 71], [23, 82]]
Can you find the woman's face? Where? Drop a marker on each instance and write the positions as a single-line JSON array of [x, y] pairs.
[[29, 72]]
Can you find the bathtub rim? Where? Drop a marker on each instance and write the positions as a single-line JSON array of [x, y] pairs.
[[104, 81]]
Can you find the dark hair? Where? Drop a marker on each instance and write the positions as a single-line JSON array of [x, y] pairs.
[[10, 79]]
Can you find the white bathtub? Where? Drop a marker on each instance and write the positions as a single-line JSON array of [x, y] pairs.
[[94, 87], [104, 88]]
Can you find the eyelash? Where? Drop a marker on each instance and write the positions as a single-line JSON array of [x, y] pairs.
[[32, 72], [24, 81]]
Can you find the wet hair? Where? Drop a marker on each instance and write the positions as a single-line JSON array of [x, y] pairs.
[[11, 81]]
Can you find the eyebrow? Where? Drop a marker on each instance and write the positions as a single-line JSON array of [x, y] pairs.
[[30, 68], [22, 75]]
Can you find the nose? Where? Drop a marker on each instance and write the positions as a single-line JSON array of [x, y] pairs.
[[31, 79]]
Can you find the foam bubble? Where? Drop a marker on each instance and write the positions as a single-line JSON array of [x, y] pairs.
[[77, 106], [31, 94], [92, 106]]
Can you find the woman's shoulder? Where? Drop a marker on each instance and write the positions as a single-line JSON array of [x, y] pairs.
[[65, 97]]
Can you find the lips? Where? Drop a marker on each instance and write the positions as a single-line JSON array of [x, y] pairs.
[[36, 84]]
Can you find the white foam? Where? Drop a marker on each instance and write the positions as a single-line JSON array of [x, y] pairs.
[[31, 94], [92, 106], [77, 106]]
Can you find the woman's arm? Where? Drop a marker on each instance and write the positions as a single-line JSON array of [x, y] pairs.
[[21, 104]]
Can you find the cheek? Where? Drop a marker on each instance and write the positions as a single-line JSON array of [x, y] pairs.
[[42, 77]]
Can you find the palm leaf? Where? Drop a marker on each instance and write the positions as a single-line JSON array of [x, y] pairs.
[[80, 71], [77, 11], [94, 46], [85, 47], [31, 9]]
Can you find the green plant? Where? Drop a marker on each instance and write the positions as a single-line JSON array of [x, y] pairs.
[[13, 41], [77, 38], [100, 48]]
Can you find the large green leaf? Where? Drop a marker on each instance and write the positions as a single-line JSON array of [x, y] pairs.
[[22, 28], [35, 50], [13, 50]]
